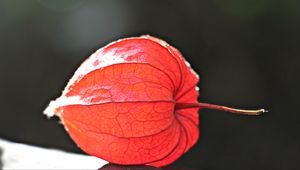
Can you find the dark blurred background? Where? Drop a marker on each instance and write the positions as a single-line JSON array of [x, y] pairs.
[[246, 52]]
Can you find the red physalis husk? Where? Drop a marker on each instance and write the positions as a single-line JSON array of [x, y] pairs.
[[133, 102]]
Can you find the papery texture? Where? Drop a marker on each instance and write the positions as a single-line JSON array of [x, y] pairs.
[[120, 103]]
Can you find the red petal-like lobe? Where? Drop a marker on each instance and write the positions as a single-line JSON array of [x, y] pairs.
[[176, 152], [123, 83], [139, 150], [131, 50], [124, 119], [120, 103]]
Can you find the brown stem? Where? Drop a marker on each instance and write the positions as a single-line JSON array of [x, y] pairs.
[[179, 106]]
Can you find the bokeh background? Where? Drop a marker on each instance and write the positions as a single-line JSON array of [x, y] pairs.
[[246, 52]]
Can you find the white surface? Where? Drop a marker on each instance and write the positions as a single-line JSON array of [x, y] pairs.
[[21, 156]]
